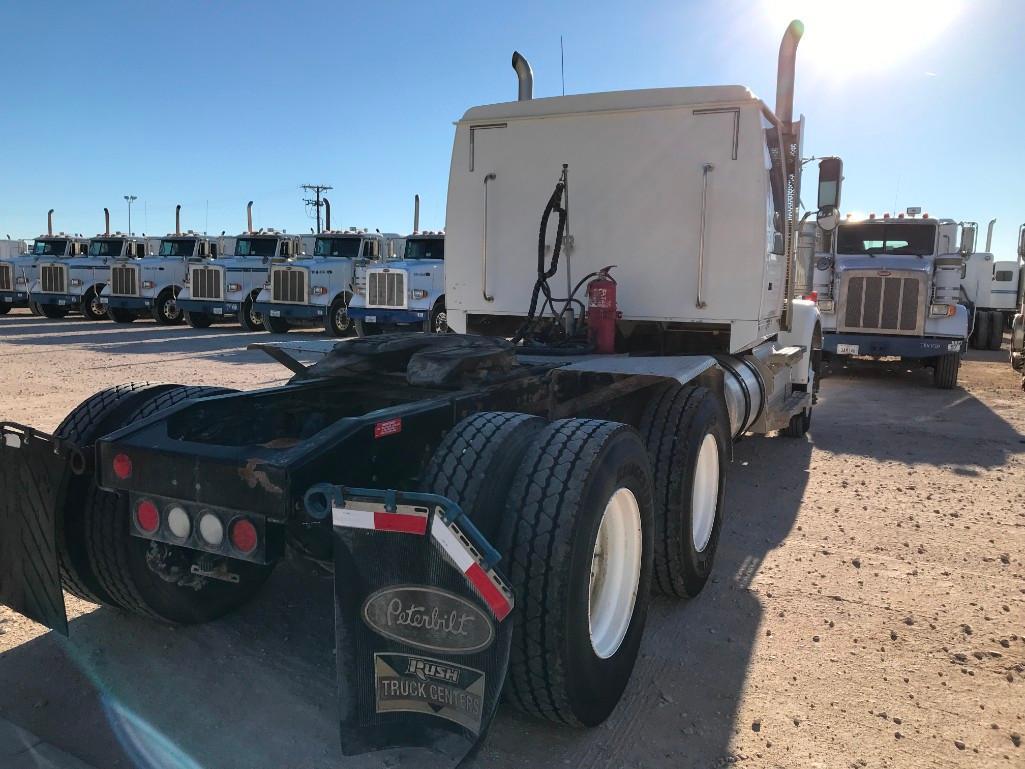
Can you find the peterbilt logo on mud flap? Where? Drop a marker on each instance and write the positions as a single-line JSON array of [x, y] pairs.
[[406, 683], [428, 618]]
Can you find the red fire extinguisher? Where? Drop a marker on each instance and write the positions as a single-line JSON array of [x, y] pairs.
[[602, 312]]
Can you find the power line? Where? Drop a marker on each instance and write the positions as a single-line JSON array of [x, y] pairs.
[[316, 201]]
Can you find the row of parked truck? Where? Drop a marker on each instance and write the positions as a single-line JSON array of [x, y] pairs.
[[342, 280]]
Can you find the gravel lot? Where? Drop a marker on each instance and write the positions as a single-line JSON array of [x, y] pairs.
[[867, 608]]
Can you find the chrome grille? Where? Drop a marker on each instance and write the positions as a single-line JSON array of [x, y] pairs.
[[6, 284], [386, 289], [53, 278], [886, 303], [288, 285], [205, 283], [124, 280]]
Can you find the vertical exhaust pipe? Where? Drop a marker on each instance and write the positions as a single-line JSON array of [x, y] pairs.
[[327, 214], [49, 222], [249, 216], [416, 214], [989, 236], [106, 221], [178, 219], [785, 72], [525, 76]]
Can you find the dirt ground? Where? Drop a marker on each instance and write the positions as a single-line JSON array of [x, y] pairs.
[[867, 607]]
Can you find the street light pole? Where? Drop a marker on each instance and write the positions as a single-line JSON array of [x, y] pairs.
[[130, 198]]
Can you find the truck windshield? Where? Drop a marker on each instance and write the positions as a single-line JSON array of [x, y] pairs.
[[105, 247], [50, 247], [347, 248], [256, 246], [177, 247], [425, 248], [879, 238]]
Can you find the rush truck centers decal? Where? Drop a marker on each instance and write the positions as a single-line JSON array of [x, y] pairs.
[[411, 684], [428, 618]]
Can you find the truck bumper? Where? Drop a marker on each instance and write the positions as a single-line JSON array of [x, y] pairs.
[[209, 308], [61, 300], [34, 472], [885, 346], [14, 298], [377, 315], [128, 302], [295, 311]]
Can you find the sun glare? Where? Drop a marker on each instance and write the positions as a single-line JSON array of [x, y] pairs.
[[858, 37]]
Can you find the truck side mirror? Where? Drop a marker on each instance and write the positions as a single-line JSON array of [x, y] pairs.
[[830, 182], [968, 232], [828, 219]]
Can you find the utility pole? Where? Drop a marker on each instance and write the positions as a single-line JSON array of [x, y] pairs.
[[316, 189], [130, 199]]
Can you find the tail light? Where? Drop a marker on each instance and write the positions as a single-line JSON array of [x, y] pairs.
[[147, 516], [243, 535], [122, 466]]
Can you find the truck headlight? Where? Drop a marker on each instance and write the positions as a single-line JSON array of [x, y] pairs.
[[826, 305], [418, 293], [319, 290], [76, 281], [234, 287], [148, 284], [942, 310]]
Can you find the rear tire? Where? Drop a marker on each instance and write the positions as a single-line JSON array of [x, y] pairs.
[[689, 487], [33, 307], [165, 310], [92, 308], [119, 315], [198, 319], [338, 322], [996, 330], [945, 369], [798, 426], [980, 336], [248, 317], [97, 524], [53, 311], [579, 516]]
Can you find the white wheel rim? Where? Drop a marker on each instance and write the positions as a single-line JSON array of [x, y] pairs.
[[705, 493], [615, 573]]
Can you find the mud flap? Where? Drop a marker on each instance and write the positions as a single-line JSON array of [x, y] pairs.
[[33, 475], [422, 624]]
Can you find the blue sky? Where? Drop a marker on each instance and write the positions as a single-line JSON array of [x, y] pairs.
[[213, 104]]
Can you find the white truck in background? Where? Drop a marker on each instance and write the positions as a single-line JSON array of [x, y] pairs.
[[991, 289], [63, 285], [1018, 321], [18, 273], [316, 288], [227, 287], [14, 257], [149, 287], [890, 287], [407, 293]]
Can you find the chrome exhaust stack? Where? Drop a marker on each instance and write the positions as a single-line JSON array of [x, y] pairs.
[[785, 72], [249, 217], [416, 214], [106, 221], [327, 214], [178, 219], [49, 222], [525, 76], [989, 236]]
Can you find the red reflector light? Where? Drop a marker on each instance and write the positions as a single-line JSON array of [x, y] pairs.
[[147, 516], [123, 466], [812, 297], [243, 535], [388, 427]]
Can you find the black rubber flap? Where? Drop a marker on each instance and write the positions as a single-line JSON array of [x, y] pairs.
[[421, 658], [32, 477]]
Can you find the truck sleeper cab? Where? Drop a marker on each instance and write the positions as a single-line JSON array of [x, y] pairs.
[[66, 284], [890, 286], [227, 287], [316, 288], [405, 293], [990, 287]]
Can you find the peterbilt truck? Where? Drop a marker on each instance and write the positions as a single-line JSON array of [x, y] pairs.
[[227, 287], [64, 285], [990, 288], [149, 287], [890, 287], [1018, 322], [15, 264], [407, 293], [316, 288], [496, 511], [19, 272]]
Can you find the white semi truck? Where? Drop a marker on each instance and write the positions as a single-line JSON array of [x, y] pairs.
[[1018, 322], [407, 293], [15, 263], [18, 273], [317, 287], [64, 284], [496, 511], [149, 287], [227, 287], [990, 288], [890, 287]]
